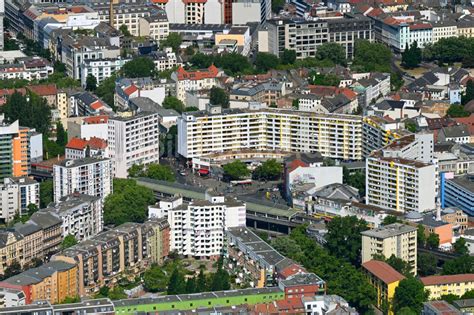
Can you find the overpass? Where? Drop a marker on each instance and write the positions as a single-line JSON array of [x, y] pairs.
[[261, 214]]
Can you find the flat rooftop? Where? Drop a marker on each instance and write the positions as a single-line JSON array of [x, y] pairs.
[[389, 230]]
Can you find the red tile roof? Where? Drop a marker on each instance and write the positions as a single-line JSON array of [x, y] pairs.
[[160, 1], [93, 143], [433, 280], [291, 270], [130, 90], [76, 144], [44, 89], [96, 105], [468, 121], [375, 12], [383, 271], [421, 26], [100, 119], [211, 72]]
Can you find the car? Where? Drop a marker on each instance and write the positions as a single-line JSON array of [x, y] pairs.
[[182, 173]]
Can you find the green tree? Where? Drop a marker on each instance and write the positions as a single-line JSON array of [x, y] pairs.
[[106, 90], [268, 170], [154, 279], [323, 79], [356, 180], [333, 52], [427, 264], [176, 284], [160, 172], [61, 134], [91, 83], [288, 247], [341, 277], [456, 110], [46, 193], [411, 57], [201, 283], [69, 241], [191, 285], [410, 126], [173, 40], [124, 30], [390, 219], [117, 294], [172, 102], [103, 292], [51, 149], [406, 311], [234, 64], [344, 239], [30, 110], [469, 94], [139, 67], [420, 235], [12, 270], [277, 5], [136, 170], [371, 57], [128, 203], [410, 293], [236, 170], [288, 57], [450, 298], [449, 50], [460, 265], [71, 299], [468, 295], [432, 241], [266, 61], [189, 51], [400, 265], [460, 246], [219, 96], [201, 61]]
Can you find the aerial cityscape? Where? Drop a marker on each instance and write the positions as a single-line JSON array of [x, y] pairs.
[[236, 157]]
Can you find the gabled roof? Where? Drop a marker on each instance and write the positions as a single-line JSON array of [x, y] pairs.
[[210, 72], [460, 278], [383, 271], [44, 89]]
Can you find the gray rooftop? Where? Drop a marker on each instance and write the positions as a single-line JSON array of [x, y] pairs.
[[389, 230]]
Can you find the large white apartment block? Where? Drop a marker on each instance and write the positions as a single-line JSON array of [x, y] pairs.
[[198, 228], [156, 26], [378, 132], [133, 140], [81, 215], [16, 193], [165, 59], [403, 175], [101, 69], [194, 80], [89, 176], [394, 239], [333, 135]]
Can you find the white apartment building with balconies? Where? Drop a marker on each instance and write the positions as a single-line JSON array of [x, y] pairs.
[[333, 135], [133, 140], [198, 228], [81, 215], [89, 176], [402, 176]]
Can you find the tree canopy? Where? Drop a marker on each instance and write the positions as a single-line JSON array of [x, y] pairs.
[[69, 241], [155, 279], [30, 110], [411, 294], [333, 52], [372, 57], [456, 110], [411, 57], [268, 170], [469, 94], [462, 264], [106, 90], [172, 102], [432, 241], [344, 239], [460, 246], [266, 61], [139, 67], [219, 96], [173, 40], [427, 264], [128, 203], [323, 79], [450, 50], [46, 193], [288, 57], [236, 170], [91, 83]]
